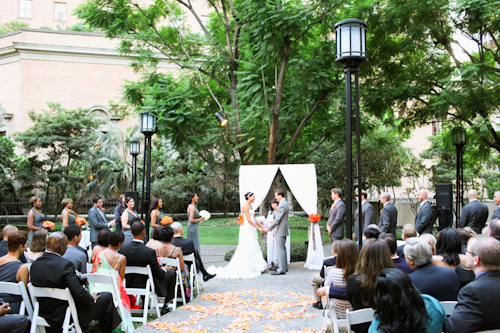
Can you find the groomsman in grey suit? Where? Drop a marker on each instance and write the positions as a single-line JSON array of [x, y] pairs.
[[335, 223], [388, 216], [97, 220], [281, 224], [423, 219], [367, 216], [496, 212]]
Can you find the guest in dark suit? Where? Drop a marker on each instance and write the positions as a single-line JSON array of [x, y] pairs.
[[409, 231], [367, 217], [388, 216], [139, 255], [53, 271], [74, 234], [4, 243], [423, 219], [478, 301], [335, 223], [496, 212], [475, 214], [441, 283], [187, 246], [398, 262], [97, 220]]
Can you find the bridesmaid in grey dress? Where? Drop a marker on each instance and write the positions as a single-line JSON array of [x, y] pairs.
[[35, 216], [193, 220], [128, 215], [155, 212], [68, 216]]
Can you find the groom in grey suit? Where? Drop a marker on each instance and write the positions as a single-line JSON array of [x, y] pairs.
[[97, 220], [281, 224]]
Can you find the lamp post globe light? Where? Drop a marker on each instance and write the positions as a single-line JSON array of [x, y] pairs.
[[135, 149], [459, 140], [351, 53], [148, 128]]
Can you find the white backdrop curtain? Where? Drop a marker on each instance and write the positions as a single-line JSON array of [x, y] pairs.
[[257, 179], [301, 179]]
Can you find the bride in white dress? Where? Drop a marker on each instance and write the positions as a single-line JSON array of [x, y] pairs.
[[247, 261]]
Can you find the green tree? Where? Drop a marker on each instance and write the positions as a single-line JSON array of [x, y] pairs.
[[9, 164], [58, 139]]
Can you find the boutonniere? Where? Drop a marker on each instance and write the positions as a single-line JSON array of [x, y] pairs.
[[334, 206], [494, 210], [103, 209], [381, 211], [419, 208]]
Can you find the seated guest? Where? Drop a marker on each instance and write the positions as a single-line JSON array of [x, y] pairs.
[[155, 241], [372, 231], [102, 243], [13, 270], [431, 240], [448, 249], [398, 262], [494, 229], [4, 247], [187, 246], [345, 266], [62, 275], [409, 231], [373, 258], [77, 257], [13, 323], [139, 255], [478, 301], [37, 246], [439, 282], [465, 234], [415, 313], [317, 280]]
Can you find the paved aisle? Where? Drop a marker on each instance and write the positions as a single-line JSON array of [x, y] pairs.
[[263, 304]]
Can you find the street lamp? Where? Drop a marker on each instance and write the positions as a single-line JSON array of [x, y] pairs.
[[135, 149], [148, 128], [351, 53], [459, 140], [221, 118]]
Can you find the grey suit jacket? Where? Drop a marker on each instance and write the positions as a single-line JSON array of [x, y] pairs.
[[336, 219], [388, 219], [96, 223], [281, 219], [496, 214], [423, 219], [78, 258], [367, 217]]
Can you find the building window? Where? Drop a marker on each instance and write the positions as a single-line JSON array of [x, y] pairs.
[[59, 11], [25, 8]]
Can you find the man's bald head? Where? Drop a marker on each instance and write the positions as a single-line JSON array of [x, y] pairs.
[[57, 242], [422, 195], [7, 231], [472, 194]]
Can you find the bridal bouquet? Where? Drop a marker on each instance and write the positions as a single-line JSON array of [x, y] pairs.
[[240, 219], [48, 224], [81, 221], [314, 218], [205, 214], [166, 220]]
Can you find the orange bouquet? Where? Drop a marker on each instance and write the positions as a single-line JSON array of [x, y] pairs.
[[81, 221], [48, 224], [240, 219], [166, 220], [314, 218]]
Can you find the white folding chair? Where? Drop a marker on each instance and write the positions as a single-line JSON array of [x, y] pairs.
[[89, 268], [95, 279], [18, 289], [193, 276], [148, 292], [448, 307], [178, 281], [60, 294], [358, 317], [331, 322]]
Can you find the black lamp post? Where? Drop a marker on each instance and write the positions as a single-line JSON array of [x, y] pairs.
[[351, 53], [148, 128], [135, 149], [459, 140]]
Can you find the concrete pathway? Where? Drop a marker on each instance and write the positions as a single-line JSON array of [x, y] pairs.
[[264, 304]]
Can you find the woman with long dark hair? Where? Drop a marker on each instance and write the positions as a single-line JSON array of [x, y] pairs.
[[156, 213], [448, 249], [193, 220], [399, 307]]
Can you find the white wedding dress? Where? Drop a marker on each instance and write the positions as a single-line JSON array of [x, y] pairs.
[[247, 261]]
